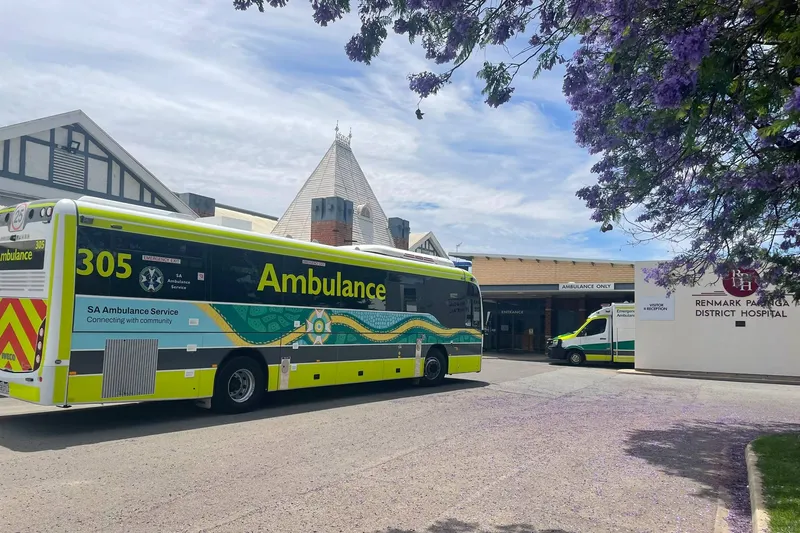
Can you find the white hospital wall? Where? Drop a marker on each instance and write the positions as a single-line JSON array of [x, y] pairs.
[[764, 346]]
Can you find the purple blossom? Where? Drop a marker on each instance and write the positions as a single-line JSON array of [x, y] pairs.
[[627, 125], [356, 49], [464, 23], [694, 44], [450, 50], [789, 174], [584, 8], [549, 18], [443, 5], [400, 26], [502, 31], [425, 83], [675, 86], [793, 103], [415, 5], [326, 11]]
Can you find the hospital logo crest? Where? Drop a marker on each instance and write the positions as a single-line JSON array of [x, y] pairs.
[[741, 283], [151, 279]]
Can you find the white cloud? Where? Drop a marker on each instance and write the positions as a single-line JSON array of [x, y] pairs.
[[241, 106]]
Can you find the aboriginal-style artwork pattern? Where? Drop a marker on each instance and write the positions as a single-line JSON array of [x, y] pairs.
[[272, 326]]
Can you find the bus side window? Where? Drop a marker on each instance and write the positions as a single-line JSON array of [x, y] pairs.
[[146, 266], [446, 300], [237, 274], [91, 243], [410, 299]]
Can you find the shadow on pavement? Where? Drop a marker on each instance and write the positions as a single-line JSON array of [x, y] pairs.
[[53, 430], [457, 526], [526, 357], [710, 453]]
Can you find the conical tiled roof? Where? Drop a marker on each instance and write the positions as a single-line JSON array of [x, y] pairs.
[[338, 174]]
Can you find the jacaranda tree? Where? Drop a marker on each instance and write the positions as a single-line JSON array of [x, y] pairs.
[[692, 107]]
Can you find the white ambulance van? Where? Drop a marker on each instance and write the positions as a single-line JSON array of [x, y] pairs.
[[607, 335]]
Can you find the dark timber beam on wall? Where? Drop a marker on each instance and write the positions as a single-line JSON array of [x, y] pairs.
[[22, 156], [85, 161], [51, 155]]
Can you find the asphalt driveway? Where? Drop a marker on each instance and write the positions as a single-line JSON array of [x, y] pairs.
[[520, 447]]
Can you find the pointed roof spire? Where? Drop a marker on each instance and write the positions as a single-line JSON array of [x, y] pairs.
[[340, 137], [338, 174]]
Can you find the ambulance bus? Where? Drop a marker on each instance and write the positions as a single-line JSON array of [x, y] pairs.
[[106, 302]]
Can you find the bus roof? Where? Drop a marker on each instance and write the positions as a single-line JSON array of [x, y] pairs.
[[385, 257]]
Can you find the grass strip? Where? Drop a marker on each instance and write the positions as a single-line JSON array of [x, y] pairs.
[[779, 463]]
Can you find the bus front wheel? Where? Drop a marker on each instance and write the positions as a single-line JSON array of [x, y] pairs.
[[238, 386]]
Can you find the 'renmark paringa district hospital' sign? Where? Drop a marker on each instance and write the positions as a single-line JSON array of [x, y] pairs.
[[737, 300]]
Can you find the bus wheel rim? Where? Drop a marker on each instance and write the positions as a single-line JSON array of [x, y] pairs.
[[432, 368], [241, 385]]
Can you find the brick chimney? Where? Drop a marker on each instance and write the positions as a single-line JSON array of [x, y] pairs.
[[332, 221], [400, 230]]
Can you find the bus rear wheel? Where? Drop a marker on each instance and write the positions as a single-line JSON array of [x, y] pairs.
[[238, 386], [434, 368]]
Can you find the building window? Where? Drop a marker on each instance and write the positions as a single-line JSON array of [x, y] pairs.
[[363, 211]]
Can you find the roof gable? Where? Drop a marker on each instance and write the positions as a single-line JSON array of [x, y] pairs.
[[79, 118], [338, 174], [426, 240]]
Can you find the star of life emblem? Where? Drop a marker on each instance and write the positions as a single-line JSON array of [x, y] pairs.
[[151, 279]]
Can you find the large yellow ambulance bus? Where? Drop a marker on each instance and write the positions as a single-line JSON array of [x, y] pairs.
[[104, 302]]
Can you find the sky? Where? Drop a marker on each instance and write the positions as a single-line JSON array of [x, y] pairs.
[[241, 106]]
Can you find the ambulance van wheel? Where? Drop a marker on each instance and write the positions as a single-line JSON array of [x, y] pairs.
[[238, 386], [575, 357]]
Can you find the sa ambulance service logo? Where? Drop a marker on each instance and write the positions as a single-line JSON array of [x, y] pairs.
[[151, 279]]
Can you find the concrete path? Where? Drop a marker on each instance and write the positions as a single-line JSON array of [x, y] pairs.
[[522, 447]]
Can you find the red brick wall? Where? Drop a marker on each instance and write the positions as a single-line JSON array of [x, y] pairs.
[[332, 232], [401, 243]]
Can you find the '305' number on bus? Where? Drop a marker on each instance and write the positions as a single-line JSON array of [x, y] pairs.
[[106, 264]]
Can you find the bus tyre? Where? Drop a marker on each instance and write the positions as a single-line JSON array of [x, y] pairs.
[[575, 357], [434, 368], [238, 386]]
